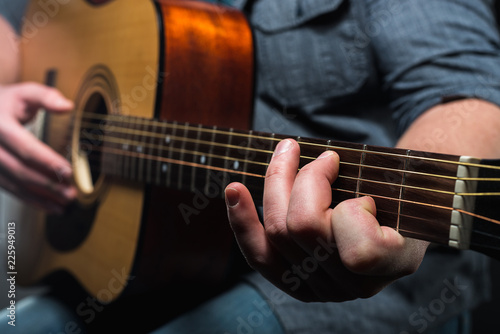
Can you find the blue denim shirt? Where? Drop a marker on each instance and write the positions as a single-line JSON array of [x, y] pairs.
[[362, 71]]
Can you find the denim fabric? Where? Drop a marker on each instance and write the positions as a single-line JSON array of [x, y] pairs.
[[445, 286], [362, 71], [41, 315], [12, 11], [240, 310]]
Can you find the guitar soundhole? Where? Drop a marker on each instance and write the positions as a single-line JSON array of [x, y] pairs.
[[68, 231], [92, 134], [93, 105], [98, 2]]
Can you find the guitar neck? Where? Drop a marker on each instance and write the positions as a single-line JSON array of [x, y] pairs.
[[422, 195]]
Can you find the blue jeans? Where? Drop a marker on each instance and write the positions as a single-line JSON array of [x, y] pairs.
[[41, 315], [241, 310]]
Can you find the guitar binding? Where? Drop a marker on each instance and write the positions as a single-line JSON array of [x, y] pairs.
[[93, 103]]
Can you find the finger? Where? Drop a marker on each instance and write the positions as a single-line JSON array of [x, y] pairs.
[[246, 226], [309, 211], [260, 254], [365, 247], [35, 154], [309, 225], [30, 198], [36, 96], [280, 177], [27, 179]]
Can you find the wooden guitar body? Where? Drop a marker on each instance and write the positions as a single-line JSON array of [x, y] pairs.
[[178, 60]]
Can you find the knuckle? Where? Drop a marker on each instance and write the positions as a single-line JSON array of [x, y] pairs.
[[303, 226], [361, 257], [28, 85], [257, 261], [52, 93], [276, 232], [347, 208], [274, 171]]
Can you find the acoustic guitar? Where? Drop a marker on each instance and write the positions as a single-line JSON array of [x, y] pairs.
[[163, 95]]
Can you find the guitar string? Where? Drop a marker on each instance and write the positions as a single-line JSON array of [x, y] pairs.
[[329, 146], [184, 151], [173, 138], [401, 230], [130, 154], [192, 164], [190, 127], [265, 164]]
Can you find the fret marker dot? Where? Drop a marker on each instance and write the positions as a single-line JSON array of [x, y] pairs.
[[167, 139], [164, 168], [203, 159], [236, 165], [139, 149], [125, 147]]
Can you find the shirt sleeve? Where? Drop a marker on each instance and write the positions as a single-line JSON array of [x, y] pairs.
[[13, 12], [429, 52]]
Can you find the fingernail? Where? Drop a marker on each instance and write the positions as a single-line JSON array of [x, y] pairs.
[[232, 197], [64, 103], [282, 147], [325, 154], [69, 193], [64, 173]]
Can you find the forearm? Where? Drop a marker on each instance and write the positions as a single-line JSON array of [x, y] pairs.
[[464, 127], [9, 56]]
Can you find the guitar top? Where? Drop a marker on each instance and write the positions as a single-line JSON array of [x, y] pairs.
[[148, 59]]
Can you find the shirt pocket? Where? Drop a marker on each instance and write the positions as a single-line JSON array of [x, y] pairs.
[[308, 50]]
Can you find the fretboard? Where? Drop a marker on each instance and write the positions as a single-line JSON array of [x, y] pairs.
[[416, 193]]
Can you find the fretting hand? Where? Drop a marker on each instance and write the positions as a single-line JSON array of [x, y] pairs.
[[307, 249]]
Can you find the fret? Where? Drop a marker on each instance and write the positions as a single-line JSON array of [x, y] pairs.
[[227, 161], [161, 167], [329, 144], [272, 147], [125, 149], [201, 159], [133, 147], [401, 190], [151, 154], [209, 162], [169, 140], [246, 157], [141, 150], [361, 161], [117, 158], [298, 139], [181, 157]]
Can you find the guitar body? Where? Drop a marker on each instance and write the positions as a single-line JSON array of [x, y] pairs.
[[183, 61]]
